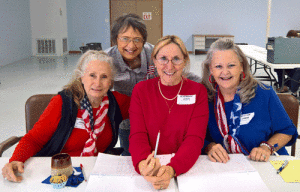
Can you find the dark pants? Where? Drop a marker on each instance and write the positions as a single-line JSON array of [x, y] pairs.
[[289, 72], [295, 80], [124, 141]]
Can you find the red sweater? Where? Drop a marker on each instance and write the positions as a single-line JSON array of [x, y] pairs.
[[181, 132], [43, 130]]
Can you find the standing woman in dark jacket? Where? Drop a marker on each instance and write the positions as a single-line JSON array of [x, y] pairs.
[[82, 120]]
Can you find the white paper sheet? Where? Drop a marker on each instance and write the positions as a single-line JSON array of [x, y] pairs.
[[227, 182], [235, 175], [116, 173], [237, 163]]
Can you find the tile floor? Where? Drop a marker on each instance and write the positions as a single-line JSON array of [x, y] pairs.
[[27, 77]]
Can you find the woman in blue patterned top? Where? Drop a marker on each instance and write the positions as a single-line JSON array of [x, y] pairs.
[[245, 116]]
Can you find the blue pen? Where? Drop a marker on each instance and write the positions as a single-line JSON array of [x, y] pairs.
[[286, 162]]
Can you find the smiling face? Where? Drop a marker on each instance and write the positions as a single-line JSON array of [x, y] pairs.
[[169, 73], [131, 50], [226, 69], [96, 81]]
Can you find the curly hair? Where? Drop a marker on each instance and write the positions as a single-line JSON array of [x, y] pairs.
[[75, 86], [246, 87]]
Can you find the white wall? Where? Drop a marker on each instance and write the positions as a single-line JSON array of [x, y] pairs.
[[15, 34], [284, 17], [88, 22], [49, 21], [245, 19]]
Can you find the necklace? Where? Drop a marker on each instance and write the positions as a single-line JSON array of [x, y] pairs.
[[166, 97], [171, 106]]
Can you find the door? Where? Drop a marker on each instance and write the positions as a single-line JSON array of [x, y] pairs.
[[149, 10]]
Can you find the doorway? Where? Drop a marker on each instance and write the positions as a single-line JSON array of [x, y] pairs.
[[149, 10]]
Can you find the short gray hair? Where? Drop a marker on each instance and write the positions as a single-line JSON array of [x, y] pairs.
[[126, 21]]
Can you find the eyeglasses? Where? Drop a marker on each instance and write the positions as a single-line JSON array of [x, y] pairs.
[[136, 41], [175, 61]]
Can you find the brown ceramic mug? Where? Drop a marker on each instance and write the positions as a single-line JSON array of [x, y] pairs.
[[61, 164]]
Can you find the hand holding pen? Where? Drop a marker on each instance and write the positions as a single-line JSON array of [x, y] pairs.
[[162, 178], [151, 165]]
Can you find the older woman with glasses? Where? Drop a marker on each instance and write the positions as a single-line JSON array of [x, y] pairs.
[[172, 105], [132, 60]]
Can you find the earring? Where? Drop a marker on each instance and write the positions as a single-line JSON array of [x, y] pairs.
[[243, 76], [209, 79]]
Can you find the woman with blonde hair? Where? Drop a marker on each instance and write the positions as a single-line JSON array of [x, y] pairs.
[[172, 105], [245, 116], [132, 59], [81, 120]]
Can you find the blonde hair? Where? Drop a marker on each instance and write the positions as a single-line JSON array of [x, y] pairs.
[[246, 87], [75, 85], [166, 40]]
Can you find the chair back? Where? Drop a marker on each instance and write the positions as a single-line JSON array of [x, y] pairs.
[[34, 108], [291, 106]]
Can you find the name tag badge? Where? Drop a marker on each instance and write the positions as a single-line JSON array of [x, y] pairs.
[[79, 123], [246, 118], [122, 76], [186, 99]]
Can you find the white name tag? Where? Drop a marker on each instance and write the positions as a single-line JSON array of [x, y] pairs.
[[186, 99], [246, 118], [122, 76], [79, 123]]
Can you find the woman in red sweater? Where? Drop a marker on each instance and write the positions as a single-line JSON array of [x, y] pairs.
[[173, 105], [82, 120]]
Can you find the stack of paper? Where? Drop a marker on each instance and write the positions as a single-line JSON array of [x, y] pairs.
[[291, 173], [116, 173], [235, 175]]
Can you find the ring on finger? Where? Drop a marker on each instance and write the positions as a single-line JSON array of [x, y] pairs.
[[264, 156], [161, 187]]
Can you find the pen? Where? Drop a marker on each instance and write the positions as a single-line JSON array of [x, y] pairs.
[[286, 162], [81, 167], [156, 145], [277, 155]]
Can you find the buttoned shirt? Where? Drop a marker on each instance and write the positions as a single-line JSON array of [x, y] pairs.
[[126, 78]]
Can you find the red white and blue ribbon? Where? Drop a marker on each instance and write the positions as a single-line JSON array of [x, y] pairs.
[[94, 128], [150, 72], [229, 133]]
